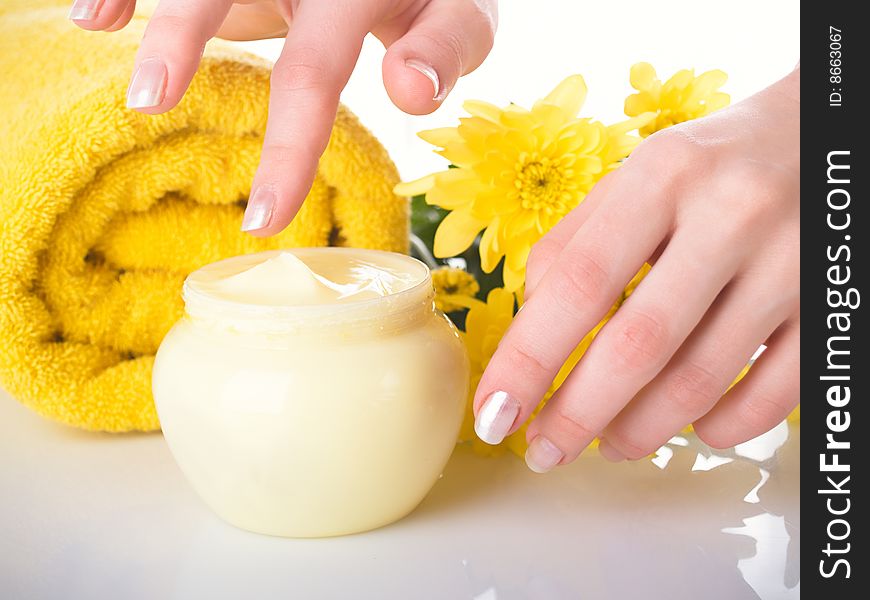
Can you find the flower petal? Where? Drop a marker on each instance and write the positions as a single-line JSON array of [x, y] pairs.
[[717, 101], [520, 223], [679, 80], [415, 187], [504, 302], [456, 233], [710, 81], [454, 189], [518, 120], [631, 124], [568, 95], [441, 136], [489, 248], [449, 198], [518, 255], [513, 279], [642, 76], [482, 109], [475, 132], [453, 146], [640, 103], [618, 148], [619, 143]]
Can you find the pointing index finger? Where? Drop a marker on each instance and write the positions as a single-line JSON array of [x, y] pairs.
[[318, 57]]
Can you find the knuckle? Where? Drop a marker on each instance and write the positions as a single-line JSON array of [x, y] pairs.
[[742, 217], [761, 411], [448, 43], [640, 341], [304, 70], [711, 436], [167, 26], [581, 282], [541, 256], [486, 19], [631, 446], [747, 175], [693, 389], [523, 362], [571, 426], [778, 266], [684, 154], [754, 199], [276, 153], [769, 186]]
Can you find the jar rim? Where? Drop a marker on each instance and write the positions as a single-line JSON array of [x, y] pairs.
[[200, 303]]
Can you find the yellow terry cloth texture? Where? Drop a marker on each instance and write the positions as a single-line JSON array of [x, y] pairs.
[[105, 210]]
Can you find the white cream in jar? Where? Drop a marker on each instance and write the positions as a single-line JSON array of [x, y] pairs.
[[311, 392]]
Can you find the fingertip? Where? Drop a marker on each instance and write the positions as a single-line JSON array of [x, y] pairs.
[[279, 190], [268, 211], [413, 84], [277, 223], [124, 19], [147, 90], [306, 84], [444, 42], [609, 452], [85, 24], [90, 25], [99, 15], [711, 435], [542, 456]]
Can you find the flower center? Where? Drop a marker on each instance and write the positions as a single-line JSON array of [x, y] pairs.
[[543, 185]]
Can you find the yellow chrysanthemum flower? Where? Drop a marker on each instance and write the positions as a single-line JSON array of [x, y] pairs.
[[485, 325], [451, 284], [517, 173], [681, 98]]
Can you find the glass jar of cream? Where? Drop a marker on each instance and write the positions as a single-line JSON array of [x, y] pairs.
[[311, 392]]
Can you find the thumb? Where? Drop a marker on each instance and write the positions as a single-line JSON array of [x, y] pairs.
[[445, 41]]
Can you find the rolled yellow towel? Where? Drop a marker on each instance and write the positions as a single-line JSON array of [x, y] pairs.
[[105, 210]]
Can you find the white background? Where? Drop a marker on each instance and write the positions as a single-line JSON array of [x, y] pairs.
[[539, 42]]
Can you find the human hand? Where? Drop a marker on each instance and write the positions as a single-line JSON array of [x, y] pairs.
[[714, 205], [430, 44]]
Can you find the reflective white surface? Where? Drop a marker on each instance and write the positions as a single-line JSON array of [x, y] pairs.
[[102, 516]]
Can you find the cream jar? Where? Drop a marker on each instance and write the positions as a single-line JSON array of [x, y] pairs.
[[311, 392]]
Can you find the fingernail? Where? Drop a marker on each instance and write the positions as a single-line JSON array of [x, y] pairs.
[[261, 205], [430, 72], [542, 455], [609, 452], [148, 85], [496, 417], [85, 10]]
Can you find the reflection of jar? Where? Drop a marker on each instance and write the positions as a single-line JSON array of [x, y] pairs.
[[320, 417]]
